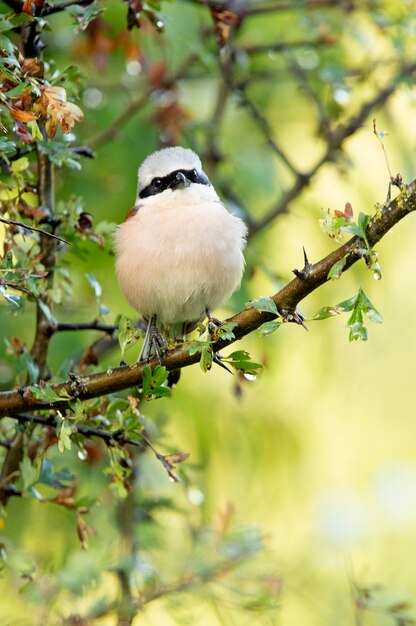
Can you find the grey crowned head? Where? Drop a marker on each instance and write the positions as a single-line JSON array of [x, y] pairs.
[[170, 169]]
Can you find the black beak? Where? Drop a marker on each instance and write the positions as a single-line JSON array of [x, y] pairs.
[[180, 181]]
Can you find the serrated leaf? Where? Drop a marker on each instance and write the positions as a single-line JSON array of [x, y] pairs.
[[264, 304], [225, 331], [359, 228], [152, 382], [161, 392], [240, 360], [358, 331], [159, 375], [46, 394], [193, 347]]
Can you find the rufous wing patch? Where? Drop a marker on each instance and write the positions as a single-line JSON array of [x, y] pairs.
[[132, 212]]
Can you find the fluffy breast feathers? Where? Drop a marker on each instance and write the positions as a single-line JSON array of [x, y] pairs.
[[180, 254]]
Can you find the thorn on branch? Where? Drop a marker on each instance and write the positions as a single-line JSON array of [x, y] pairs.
[[305, 272], [293, 317]]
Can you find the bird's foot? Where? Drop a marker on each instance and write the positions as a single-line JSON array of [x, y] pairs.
[[155, 344]]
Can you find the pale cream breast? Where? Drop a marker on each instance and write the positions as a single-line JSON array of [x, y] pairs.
[[178, 255]]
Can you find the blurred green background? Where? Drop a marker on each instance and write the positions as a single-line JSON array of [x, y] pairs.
[[318, 453]]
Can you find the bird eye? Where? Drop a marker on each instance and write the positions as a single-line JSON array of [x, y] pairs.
[[157, 183], [194, 175]]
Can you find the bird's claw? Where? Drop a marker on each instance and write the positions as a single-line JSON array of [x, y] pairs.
[[156, 344], [213, 323]]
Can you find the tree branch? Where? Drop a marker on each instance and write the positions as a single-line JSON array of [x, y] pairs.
[[345, 5], [136, 105], [32, 228], [94, 325], [335, 140], [39, 349], [110, 438], [17, 401]]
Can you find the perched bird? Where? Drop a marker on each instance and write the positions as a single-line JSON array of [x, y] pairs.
[[179, 250]]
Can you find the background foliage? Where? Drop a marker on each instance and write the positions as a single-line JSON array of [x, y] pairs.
[[298, 500]]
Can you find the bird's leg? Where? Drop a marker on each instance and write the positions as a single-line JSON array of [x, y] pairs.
[[213, 322], [154, 342]]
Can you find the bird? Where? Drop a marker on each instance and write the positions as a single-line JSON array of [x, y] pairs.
[[179, 251]]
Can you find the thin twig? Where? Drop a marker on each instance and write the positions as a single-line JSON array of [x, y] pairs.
[[94, 325], [280, 46], [266, 129], [136, 105], [32, 228], [61, 6], [110, 438], [335, 141], [295, 5]]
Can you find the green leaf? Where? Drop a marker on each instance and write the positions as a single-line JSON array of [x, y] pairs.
[[116, 408], [28, 473], [152, 382], [84, 15], [362, 306], [207, 356], [267, 305], [49, 477], [325, 312], [47, 312], [240, 360], [127, 333], [368, 309], [358, 331], [7, 147], [193, 347], [64, 433], [269, 327], [11, 298], [225, 331], [347, 305], [336, 270], [359, 228], [46, 394], [159, 375]]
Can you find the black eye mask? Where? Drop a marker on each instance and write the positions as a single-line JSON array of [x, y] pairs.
[[161, 184]]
